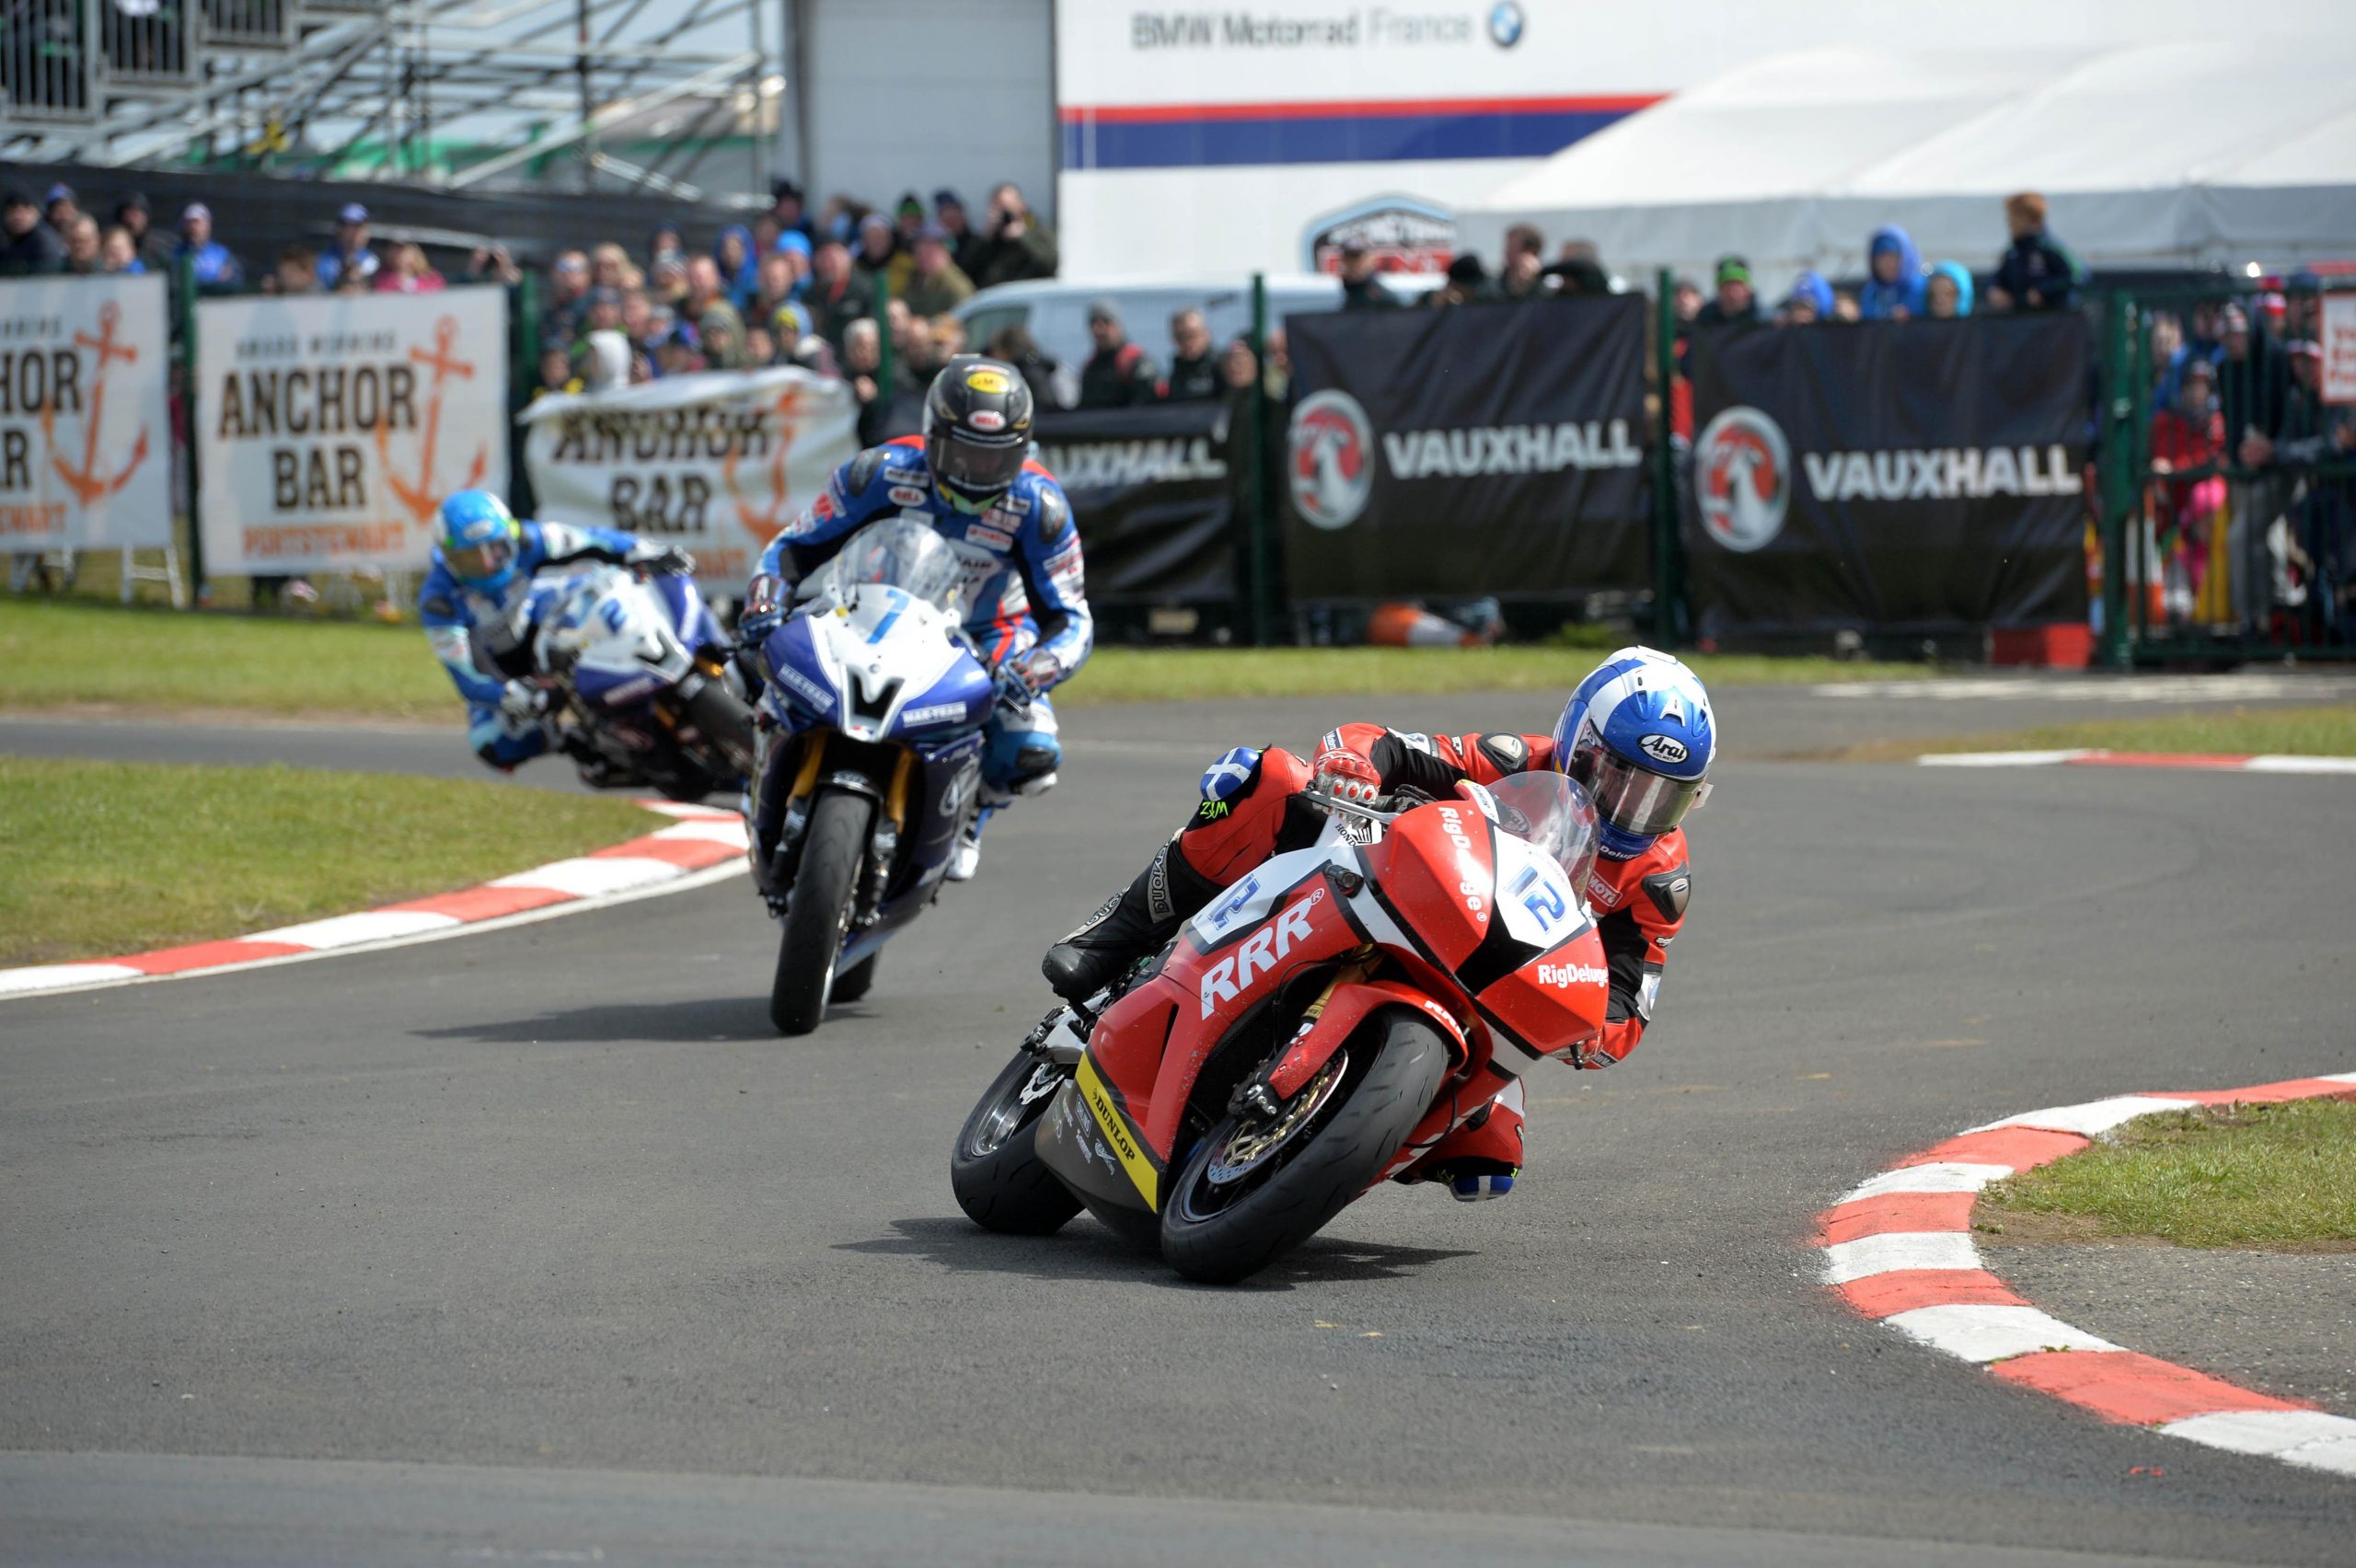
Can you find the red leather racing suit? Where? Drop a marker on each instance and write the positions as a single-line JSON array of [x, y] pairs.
[[1639, 904]]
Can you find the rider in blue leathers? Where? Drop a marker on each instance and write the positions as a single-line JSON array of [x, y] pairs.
[[969, 477], [479, 614]]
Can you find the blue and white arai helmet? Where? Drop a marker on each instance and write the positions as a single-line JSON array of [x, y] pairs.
[[1638, 734]]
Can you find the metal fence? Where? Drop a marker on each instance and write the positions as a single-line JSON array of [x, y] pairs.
[[2228, 483]]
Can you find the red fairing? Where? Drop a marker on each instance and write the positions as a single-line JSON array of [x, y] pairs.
[[1435, 869], [1152, 1044], [1467, 755], [1556, 1001]]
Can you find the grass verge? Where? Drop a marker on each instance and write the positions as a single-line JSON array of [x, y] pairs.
[[62, 654], [98, 859], [2326, 731], [2267, 1176]]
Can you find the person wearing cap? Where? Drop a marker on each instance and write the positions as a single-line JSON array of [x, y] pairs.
[[210, 261], [789, 209], [936, 286], [1015, 245], [1359, 290], [350, 252], [964, 245], [60, 208], [1468, 282], [153, 245], [28, 245], [2037, 271], [1736, 301], [1119, 374]]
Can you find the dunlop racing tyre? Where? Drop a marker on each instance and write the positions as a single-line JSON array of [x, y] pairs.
[[995, 1170], [818, 911]]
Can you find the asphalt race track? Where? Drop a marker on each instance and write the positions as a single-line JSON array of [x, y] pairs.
[[538, 1245]]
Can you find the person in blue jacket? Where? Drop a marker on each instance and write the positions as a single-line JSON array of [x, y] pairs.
[[1893, 290], [477, 607], [971, 478], [1946, 292]]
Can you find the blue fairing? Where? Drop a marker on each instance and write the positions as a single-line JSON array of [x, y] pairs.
[[691, 618], [960, 699], [799, 690]]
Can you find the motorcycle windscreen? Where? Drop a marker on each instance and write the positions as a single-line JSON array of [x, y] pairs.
[[903, 553]]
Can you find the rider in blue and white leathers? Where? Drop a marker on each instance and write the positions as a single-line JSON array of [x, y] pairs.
[[477, 609], [970, 478]]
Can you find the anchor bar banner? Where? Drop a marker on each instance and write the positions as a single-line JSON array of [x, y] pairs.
[[85, 435], [330, 428], [715, 463]]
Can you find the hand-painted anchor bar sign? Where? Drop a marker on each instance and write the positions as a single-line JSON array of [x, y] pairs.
[[85, 430], [330, 428]]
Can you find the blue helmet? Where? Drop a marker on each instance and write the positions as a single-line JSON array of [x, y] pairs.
[[1638, 733], [479, 539]]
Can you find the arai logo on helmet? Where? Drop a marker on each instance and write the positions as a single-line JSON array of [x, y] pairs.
[[1332, 460], [1505, 24], [1666, 749], [1742, 470]]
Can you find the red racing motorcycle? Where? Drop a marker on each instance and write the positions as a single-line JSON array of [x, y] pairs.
[[1318, 1026]]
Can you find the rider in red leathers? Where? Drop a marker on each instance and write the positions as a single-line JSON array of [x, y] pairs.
[[1638, 734]]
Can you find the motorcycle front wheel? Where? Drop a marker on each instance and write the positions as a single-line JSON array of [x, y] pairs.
[[995, 1170], [818, 914], [1256, 1187]]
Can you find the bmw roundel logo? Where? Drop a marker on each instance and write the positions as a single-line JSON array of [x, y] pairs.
[[1505, 24]]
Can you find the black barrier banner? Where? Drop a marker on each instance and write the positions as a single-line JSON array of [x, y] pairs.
[[1916, 475], [1150, 491], [1488, 449]]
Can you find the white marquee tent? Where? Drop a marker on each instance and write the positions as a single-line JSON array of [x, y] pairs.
[[2151, 154]]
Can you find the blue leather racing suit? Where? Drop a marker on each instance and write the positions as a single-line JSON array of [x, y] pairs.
[[1022, 568], [483, 637]]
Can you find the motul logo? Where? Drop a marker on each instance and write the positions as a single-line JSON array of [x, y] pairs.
[[1231, 976], [1954, 473], [1508, 449], [1569, 975]]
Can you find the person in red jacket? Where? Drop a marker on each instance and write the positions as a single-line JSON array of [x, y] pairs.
[[2186, 439], [1637, 733]]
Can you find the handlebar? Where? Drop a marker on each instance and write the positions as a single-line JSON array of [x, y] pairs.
[[1331, 803]]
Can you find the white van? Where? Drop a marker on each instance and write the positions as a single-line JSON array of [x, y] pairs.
[[1055, 311]]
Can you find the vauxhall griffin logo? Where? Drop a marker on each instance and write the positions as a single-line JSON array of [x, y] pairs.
[[1332, 460], [1742, 472]]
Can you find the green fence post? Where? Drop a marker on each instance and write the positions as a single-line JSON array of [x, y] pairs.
[[1263, 605], [886, 368], [186, 323], [2116, 449], [1666, 564]]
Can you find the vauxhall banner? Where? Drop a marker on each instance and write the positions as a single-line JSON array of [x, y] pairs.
[[1488, 449], [715, 463], [1921, 475], [1151, 493], [85, 434], [330, 427]]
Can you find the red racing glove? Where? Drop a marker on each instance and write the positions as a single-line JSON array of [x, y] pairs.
[[1346, 776]]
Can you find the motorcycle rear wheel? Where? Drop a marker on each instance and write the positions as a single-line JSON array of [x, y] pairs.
[[1296, 1178], [818, 911], [994, 1169]]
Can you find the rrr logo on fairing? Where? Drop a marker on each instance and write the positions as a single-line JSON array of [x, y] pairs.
[[1227, 979], [1567, 975]]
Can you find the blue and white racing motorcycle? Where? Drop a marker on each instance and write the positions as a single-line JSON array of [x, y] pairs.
[[870, 743], [637, 669]]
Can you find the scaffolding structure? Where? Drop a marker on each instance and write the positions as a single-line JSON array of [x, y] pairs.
[[677, 97]]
